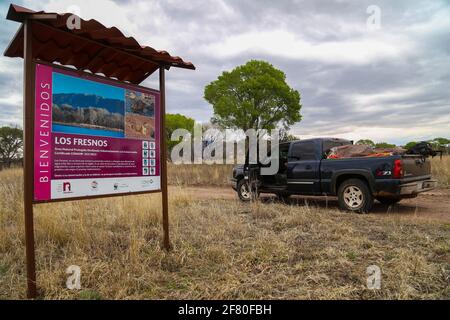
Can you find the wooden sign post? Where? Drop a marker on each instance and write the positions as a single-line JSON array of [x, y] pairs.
[[165, 202], [28, 156]]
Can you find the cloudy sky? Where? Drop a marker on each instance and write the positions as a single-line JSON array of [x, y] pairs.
[[390, 83]]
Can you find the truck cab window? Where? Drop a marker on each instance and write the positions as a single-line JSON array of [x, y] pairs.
[[303, 151]]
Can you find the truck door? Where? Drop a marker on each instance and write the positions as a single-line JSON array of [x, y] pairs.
[[303, 168]]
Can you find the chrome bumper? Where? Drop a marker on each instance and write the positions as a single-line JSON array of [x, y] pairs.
[[417, 187]]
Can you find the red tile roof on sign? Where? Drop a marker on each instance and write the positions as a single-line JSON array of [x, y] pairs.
[[92, 47]]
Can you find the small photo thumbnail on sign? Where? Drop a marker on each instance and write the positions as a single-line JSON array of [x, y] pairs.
[[145, 162], [152, 154], [152, 171], [145, 171], [144, 153], [152, 162], [152, 145], [81, 106], [139, 115], [144, 144]]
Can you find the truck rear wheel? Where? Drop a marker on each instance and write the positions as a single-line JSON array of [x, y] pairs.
[[354, 195]]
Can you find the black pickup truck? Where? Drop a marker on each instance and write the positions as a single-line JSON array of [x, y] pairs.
[[305, 170]]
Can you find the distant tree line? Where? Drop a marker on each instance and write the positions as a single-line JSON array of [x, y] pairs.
[[90, 116], [437, 143], [369, 142], [440, 143], [11, 143]]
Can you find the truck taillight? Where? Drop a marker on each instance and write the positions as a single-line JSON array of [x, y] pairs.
[[397, 173]]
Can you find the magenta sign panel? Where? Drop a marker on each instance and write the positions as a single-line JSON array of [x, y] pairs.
[[93, 137]]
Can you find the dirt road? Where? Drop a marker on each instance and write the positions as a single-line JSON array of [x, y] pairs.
[[434, 205]]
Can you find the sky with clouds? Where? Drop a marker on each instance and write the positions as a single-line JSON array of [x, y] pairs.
[[387, 84]]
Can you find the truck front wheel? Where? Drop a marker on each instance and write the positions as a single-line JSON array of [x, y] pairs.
[[354, 195], [244, 192]]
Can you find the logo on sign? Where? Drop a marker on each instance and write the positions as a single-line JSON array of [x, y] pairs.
[[94, 185], [67, 187]]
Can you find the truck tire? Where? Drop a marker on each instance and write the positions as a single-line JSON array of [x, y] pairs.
[[244, 191], [354, 195], [388, 201]]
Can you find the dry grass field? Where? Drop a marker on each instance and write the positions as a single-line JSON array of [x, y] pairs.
[[441, 170], [222, 249], [199, 175]]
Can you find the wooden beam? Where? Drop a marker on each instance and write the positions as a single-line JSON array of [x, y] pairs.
[[71, 34], [43, 16]]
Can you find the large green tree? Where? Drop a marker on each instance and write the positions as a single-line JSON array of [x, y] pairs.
[[253, 96], [177, 121], [11, 144]]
